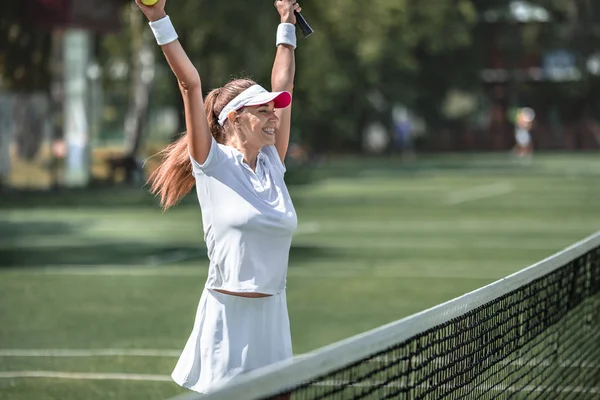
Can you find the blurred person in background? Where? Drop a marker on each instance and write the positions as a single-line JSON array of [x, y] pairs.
[[233, 152], [403, 133], [523, 123]]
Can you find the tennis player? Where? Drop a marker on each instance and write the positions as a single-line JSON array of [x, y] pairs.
[[523, 124], [233, 152]]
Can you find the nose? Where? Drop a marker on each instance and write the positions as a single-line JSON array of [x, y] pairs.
[[273, 117]]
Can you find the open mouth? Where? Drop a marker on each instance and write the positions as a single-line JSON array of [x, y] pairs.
[[269, 131]]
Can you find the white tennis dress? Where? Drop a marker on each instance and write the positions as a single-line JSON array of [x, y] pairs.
[[522, 137], [248, 220]]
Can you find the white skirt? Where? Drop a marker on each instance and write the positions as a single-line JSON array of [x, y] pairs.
[[233, 335], [523, 138]]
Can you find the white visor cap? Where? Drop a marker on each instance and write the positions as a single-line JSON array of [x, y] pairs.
[[255, 95]]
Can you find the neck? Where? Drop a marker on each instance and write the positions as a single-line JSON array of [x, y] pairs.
[[250, 152]]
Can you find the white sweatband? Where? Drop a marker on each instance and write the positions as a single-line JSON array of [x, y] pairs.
[[286, 34], [163, 30]]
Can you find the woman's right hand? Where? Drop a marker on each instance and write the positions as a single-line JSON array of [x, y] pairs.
[[155, 12]]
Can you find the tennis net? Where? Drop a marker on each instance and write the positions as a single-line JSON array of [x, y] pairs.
[[534, 334]]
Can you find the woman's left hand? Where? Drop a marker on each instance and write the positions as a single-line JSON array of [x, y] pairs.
[[286, 9]]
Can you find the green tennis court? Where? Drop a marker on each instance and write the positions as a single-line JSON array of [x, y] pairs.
[[98, 289]]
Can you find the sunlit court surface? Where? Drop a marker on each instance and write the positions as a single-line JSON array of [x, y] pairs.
[[97, 300], [441, 159]]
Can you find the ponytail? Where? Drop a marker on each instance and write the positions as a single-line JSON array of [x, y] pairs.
[[212, 117], [173, 178]]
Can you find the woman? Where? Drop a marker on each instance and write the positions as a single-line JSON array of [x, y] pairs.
[[233, 152], [523, 124]]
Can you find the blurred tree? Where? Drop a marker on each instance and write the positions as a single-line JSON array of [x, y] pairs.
[[25, 54], [226, 40], [383, 52], [557, 38], [579, 32], [25, 50], [141, 77], [32, 59], [364, 57], [221, 38]]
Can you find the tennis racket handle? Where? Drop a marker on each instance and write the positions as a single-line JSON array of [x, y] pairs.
[[304, 26]]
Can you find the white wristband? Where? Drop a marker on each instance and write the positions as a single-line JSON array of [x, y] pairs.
[[286, 34], [163, 30]]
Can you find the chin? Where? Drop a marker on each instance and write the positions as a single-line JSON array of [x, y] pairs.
[[269, 140]]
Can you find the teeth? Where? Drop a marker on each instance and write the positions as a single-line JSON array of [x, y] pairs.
[[269, 130]]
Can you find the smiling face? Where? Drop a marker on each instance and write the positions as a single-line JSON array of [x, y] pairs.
[[257, 125]]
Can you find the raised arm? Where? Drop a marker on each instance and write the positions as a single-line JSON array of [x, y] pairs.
[[282, 75], [198, 133]]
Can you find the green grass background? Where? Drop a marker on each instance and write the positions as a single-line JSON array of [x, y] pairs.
[[378, 240]]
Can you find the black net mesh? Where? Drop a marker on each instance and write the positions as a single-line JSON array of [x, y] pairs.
[[541, 341]]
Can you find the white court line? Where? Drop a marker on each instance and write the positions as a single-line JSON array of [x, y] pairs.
[[83, 376], [111, 271], [293, 272], [479, 192], [88, 352], [387, 273]]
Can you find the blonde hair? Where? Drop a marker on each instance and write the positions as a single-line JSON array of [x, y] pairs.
[[173, 178]]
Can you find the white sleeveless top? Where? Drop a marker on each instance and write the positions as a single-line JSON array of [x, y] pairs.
[[248, 219]]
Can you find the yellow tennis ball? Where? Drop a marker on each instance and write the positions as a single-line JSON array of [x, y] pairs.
[[149, 2]]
